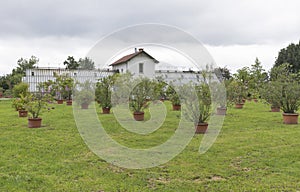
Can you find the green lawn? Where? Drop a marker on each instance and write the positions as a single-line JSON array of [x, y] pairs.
[[253, 152]]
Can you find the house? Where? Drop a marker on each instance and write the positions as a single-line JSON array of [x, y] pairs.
[[139, 63]]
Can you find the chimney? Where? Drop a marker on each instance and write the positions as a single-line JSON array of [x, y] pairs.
[[135, 50], [141, 49]]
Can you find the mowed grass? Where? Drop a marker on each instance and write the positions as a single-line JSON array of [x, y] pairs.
[[254, 151]]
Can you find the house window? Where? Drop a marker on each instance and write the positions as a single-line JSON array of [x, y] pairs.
[[141, 67], [121, 70], [32, 73]]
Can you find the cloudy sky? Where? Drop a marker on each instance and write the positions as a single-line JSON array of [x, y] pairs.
[[234, 32]]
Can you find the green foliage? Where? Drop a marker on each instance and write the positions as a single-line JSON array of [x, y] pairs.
[[172, 95], [236, 91], [286, 88], [204, 98], [223, 73], [140, 94], [104, 91], [86, 63], [37, 103], [84, 94], [21, 102], [271, 93], [20, 89], [160, 88], [291, 55], [71, 63], [64, 85]]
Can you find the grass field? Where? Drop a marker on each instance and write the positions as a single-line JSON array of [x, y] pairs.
[[254, 151]]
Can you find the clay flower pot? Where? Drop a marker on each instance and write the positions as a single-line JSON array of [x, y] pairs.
[[176, 107], [34, 122], [60, 101], [105, 110], [84, 106], [255, 100], [221, 111], [201, 128], [275, 109], [23, 113], [290, 118], [139, 116], [69, 102], [239, 105]]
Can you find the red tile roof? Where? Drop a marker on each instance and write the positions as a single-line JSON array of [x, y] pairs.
[[130, 56]]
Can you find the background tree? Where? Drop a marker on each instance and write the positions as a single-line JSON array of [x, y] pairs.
[[222, 73], [257, 78], [24, 64], [291, 55], [86, 63], [71, 63]]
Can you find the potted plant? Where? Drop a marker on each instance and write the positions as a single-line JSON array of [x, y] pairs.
[[20, 105], [288, 85], [272, 95], [139, 96], [36, 104], [84, 95], [219, 97], [204, 98], [236, 93], [174, 98], [103, 93]]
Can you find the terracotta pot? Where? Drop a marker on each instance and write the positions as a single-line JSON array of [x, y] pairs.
[[23, 113], [244, 100], [201, 128], [34, 122], [275, 109], [221, 111], [59, 101], [290, 118], [69, 102], [139, 116], [105, 110], [176, 107], [84, 106], [249, 99], [255, 100], [239, 105]]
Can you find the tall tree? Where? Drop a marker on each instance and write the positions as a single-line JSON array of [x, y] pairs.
[[222, 73], [24, 64], [291, 55], [71, 63], [86, 63]]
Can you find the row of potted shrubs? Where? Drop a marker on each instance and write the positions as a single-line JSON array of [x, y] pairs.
[[283, 91]]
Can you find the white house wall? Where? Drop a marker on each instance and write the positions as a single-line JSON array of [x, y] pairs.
[[35, 76]]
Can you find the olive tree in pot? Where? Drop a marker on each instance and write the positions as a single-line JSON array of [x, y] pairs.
[[219, 97], [236, 93], [288, 85], [139, 97], [173, 97], [84, 95], [20, 105], [204, 98], [272, 95], [104, 91], [37, 103]]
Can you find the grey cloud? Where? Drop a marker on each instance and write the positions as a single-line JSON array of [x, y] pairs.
[[212, 22]]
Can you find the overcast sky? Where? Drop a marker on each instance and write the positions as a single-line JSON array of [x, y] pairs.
[[234, 32]]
